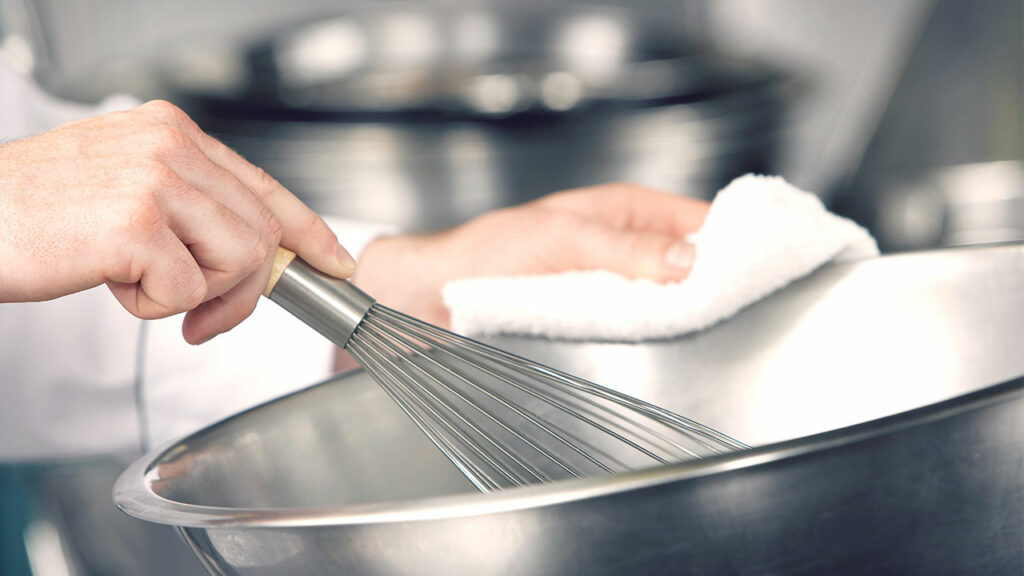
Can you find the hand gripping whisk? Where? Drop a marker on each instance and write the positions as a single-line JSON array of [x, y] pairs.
[[504, 421]]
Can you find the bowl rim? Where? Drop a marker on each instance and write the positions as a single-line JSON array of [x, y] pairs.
[[133, 493]]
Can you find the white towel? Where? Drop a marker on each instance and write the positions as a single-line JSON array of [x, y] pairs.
[[760, 234]]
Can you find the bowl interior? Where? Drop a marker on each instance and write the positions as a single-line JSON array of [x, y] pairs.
[[341, 443], [847, 345]]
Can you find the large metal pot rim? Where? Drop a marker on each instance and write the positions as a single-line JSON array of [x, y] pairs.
[[133, 493]]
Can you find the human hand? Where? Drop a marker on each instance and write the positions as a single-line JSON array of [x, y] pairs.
[[168, 217], [635, 231]]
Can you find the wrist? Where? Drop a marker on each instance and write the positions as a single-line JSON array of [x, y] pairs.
[[399, 272]]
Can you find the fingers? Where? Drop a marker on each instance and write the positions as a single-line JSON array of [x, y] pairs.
[[228, 232], [225, 246], [225, 311], [233, 225], [218, 184], [302, 230], [631, 207], [159, 283], [659, 257]]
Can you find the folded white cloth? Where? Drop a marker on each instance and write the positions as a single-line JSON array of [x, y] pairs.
[[760, 234]]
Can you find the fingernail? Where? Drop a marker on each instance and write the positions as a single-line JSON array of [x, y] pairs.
[[680, 255], [348, 264]]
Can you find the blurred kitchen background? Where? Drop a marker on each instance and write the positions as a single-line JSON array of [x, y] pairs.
[[907, 116]]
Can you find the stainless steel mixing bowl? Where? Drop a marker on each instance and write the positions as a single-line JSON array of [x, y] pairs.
[[927, 478]]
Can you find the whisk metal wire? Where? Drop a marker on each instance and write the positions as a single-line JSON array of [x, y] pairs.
[[439, 379], [502, 420]]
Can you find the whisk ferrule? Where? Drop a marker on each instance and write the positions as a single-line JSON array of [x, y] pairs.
[[330, 306]]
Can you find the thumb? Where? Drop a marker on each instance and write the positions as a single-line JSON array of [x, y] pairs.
[[659, 257]]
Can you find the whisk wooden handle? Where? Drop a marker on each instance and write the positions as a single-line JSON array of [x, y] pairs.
[[282, 259]]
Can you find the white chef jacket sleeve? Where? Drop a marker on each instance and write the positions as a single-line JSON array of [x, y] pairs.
[[67, 370], [67, 366], [26, 109]]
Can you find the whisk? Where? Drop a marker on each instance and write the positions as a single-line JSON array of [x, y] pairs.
[[502, 420]]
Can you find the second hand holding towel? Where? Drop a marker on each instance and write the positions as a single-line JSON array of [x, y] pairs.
[[760, 234]]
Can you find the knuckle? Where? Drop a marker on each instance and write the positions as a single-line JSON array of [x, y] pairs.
[[598, 191], [272, 229], [265, 183], [191, 287], [252, 250], [166, 140], [557, 221], [311, 223], [145, 219], [243, 309], [195, 297], [163, 109], [258, 253], [515, 218], [555, 199], [157, 176], [615, 193]]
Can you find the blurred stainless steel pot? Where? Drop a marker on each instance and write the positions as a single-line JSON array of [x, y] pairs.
[[335, 479], [425, 116]]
